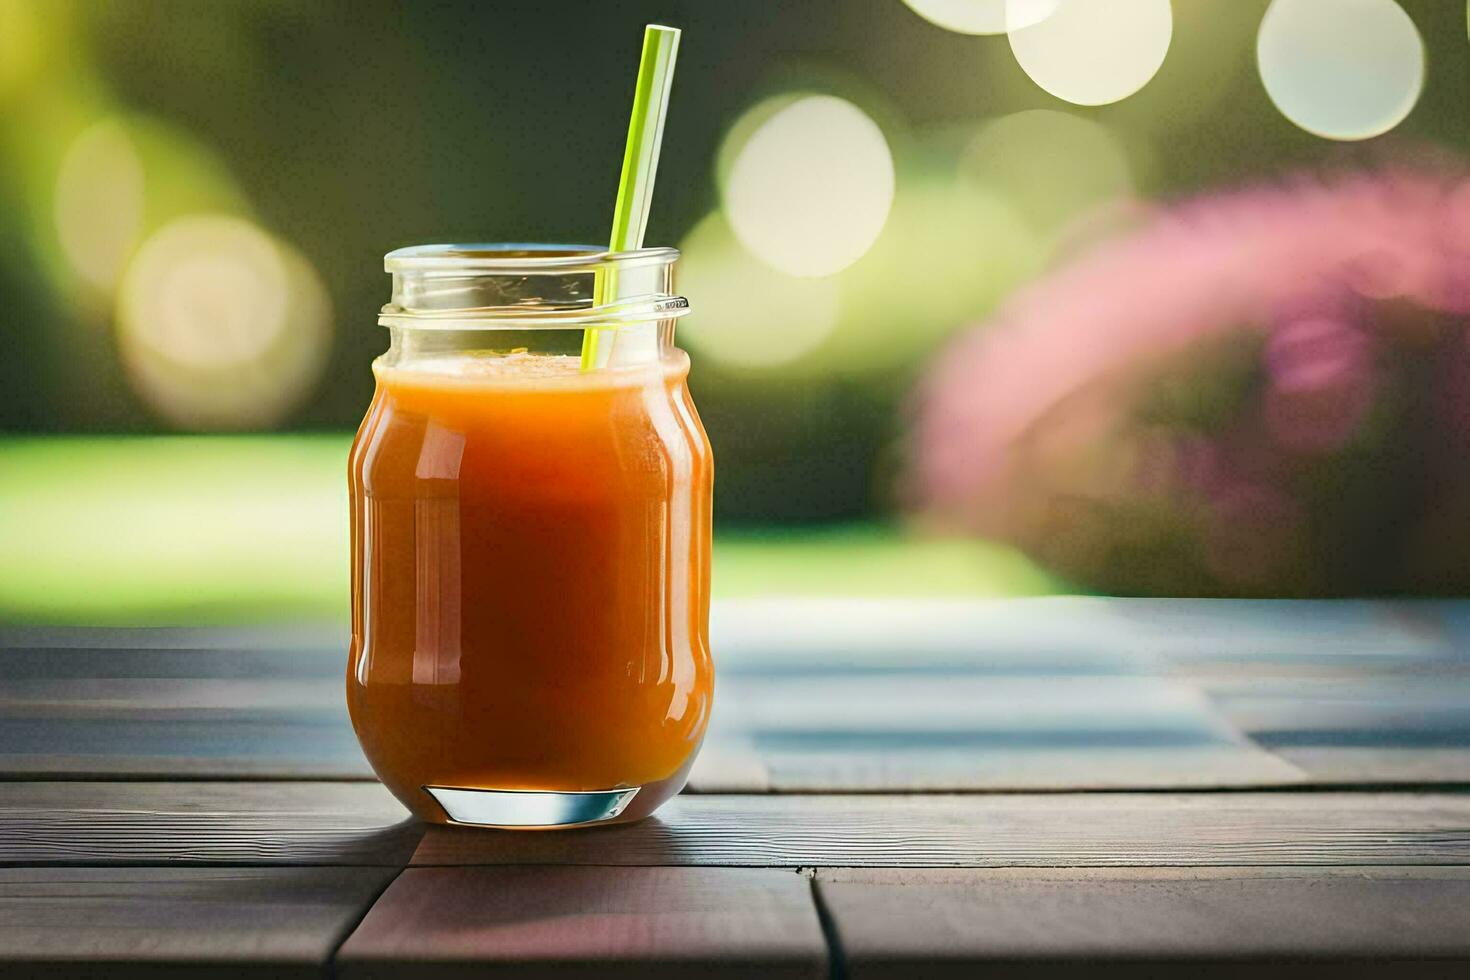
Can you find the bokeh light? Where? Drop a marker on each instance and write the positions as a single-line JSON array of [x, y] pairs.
[[983, 16], [950, 253], [99, 202], [748, 314], [1093, 53], [811, 187], [220, 325], [1341, 69], [111, 180], [1050, 166]]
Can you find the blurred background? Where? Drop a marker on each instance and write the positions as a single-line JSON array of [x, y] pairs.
[[992, 297]]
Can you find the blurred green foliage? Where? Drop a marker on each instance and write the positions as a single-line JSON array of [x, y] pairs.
[[347, 128], [350, 127]]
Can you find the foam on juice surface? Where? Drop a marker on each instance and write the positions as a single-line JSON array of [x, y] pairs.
[[516, 369]]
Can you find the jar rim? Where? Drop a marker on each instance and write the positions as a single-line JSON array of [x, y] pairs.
[[519, 258], [544, 286]]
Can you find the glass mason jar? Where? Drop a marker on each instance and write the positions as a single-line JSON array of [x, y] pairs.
[[530, 540]]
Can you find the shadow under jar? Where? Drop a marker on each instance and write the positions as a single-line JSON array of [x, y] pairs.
[[530, 540]]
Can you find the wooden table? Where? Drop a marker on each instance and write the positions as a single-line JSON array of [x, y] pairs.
[[891, 788]]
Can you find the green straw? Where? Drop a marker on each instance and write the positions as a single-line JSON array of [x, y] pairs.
[[640, 163]]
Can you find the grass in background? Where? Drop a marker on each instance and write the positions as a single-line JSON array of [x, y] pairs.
[[869, 559], [231, 529], [172, 529]]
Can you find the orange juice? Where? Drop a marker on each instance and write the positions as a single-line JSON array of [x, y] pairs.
[[530, 552]]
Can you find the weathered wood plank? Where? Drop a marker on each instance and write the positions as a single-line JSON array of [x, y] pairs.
[[1379, 709], [85, 823], [137, 726], [1348, 764], [937, 732], [729, 764], [614, 922], [1196, 633], [1064, 634], [118, 922], [1386, 727], [258, 744], [836, 732], [905, 923], [1095, 829], [108, 766], [796, 734], [157, 707], [168, 698], [86, 663], [798, 636], [1070, 634], [959, 768], [839, 696]]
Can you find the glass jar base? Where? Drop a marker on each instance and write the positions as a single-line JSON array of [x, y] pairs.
[[473, 803], [530, 809]]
